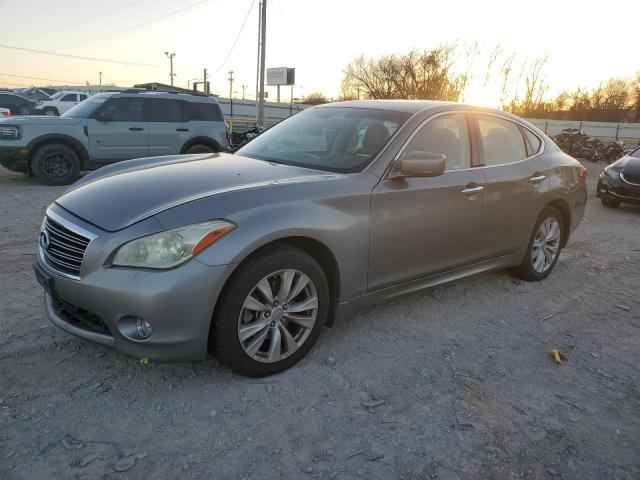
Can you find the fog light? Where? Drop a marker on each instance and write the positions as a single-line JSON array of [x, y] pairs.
[[144, 329], [134, 328]]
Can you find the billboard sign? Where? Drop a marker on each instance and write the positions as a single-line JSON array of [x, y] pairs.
[[281, 76]]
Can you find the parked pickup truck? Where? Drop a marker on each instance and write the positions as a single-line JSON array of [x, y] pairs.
[[111, 127]]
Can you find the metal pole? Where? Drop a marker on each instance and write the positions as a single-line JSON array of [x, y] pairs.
[[100, 74], [244, 87], [278, 99], [231, 93], [170, 57], [263, 40], [204, 85]]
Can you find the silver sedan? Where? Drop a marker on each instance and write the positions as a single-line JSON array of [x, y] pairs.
[[251, 255]]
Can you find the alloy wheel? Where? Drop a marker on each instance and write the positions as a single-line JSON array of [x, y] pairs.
[[278, 316], [57, 165], [546, 245]]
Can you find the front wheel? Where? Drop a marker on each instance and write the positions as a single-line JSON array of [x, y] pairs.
[[271, 312], [544, 247], [56, 164]]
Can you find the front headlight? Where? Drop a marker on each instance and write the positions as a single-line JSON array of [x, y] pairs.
[[10, 132], [171, 248]]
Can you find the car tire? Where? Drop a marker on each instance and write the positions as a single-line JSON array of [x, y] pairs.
[[610, 203], [50, 112], [243, 338], [199, 149], [56, 164], [543, 250]]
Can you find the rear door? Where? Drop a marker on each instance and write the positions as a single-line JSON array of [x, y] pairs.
[[119, 130], [427, 225], [169, 127], [517, 182]]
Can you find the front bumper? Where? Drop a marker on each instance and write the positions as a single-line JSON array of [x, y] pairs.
[[611, 188], [104, 303], [15, 158]]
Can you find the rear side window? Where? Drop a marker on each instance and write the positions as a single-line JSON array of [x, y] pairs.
[[501, 141], [533, 142], [124, 109], [447, 135], [69, 98], [203, 111], [164, 110]]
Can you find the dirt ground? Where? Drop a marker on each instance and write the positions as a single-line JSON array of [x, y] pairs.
[[455, 383]]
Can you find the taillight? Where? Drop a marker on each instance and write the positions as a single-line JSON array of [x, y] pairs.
[[583, 173], [4, 114]]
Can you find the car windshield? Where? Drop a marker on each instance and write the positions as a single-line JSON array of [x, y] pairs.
[[57, 95], [86, 108], [334, 139]]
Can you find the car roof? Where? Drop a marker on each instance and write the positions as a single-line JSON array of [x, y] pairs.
[[167, 95], [411, 106]]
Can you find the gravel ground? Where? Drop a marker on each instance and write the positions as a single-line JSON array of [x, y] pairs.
[[454, 383]]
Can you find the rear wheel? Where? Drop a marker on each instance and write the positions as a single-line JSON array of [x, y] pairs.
[[271, 312], [610, 203], [56, 164], [199, 149], [544, 247]]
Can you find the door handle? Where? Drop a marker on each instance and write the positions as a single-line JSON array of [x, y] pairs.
[[182, 129], [136, 129], [473, 190], [537, 178]]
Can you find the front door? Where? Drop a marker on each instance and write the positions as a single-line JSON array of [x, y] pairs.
[[517, 183], [119, 130], [426, 225]]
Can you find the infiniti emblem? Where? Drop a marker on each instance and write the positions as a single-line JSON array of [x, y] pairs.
[[44, 239]]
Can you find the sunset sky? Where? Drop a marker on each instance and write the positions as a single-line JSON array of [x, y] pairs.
[[317, 38]]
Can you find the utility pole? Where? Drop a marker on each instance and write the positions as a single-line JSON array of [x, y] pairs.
[[263, 40], [244, 87], [205, 88], [170, 57], [231, 93], [100, 76], [358, 90]]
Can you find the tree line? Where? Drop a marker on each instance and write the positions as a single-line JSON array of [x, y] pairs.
[[447, 72]]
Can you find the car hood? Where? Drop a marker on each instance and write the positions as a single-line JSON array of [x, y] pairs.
[[41, 120], [125, 193]]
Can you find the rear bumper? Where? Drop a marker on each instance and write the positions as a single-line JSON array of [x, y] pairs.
[[615, 189], [15, 158]]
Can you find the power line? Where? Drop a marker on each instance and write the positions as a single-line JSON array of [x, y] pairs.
[[78, 57], [87, 20], [40, 78], [236, 40], [135, 26]]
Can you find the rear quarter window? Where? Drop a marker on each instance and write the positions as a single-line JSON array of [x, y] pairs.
[[202, 111]]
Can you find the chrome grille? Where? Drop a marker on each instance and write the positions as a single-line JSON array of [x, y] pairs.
[[63, 249]]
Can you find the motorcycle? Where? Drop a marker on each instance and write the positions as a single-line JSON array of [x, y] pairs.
[[238, 139]]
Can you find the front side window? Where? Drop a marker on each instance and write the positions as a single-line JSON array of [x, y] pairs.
[[335, 139], [71, 97], [447, 135], [166, 111], [124, 109], [501, 141], [83, 97]]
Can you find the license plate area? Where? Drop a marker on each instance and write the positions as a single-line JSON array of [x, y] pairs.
[[44, 279]]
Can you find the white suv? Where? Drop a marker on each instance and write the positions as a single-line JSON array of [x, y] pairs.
[[60, 102]]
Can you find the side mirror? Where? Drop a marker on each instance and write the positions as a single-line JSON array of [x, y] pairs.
[[104, 118], [422, 164]]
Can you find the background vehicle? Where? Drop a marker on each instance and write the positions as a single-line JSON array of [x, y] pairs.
[[108, 128], [60, 103], [33, 93], [4, 112], [620, 182], [237, 139], [336, 207], [16, 104]]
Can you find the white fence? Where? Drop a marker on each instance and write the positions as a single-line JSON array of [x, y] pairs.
[[628, 132]]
